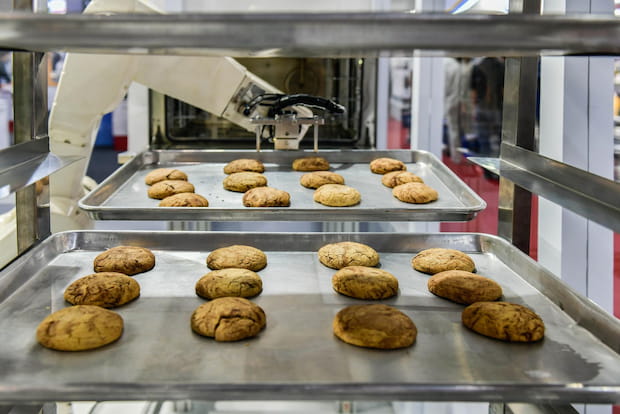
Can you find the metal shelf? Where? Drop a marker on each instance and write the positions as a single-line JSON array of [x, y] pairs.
[[311, 34]]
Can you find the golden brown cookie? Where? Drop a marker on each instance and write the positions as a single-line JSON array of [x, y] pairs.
[[374, 326], [364, 282], [243, 181], [105, 289], [237, 256], [167, 188], [311, 164], [504, 321], [184, 200], [318, 178], [266, 197], [342, 254], [79, 328], [395, 178], [337, 195], [228, 319], [244, 164], [386, 165], [161, 174], [439, 259], [125, 259], [242, 283], [464, 287], [415, 193]]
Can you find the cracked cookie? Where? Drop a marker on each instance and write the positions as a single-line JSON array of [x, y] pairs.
[[167, 188], [228, 319], [244, 164], [237, 256], [161, 174], [504, 321], [318, 178], [266, 197], [79, 328], [374, 326], [464, 287], [342, 254], [415, 193], [311, 164], [184, 200], [105, 289], [363, 282], [128, 260], [395, 178], [242, 283], [438, 259], [386, 165], [337, 195], [244, 181]]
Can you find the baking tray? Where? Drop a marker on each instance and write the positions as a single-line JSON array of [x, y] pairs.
[[297, 356], [123, 195]]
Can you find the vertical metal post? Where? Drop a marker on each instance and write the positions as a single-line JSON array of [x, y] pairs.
[[30, 115], [518, 126]]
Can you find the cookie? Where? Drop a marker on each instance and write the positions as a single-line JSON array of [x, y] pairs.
[[439, 259], [242, 283], [504, 321], [311, 164], [125, 259], [244, 164], [243, 181], [339, 255], [464, 287], [386, 165], [318, 178], [415, 193], [184, 200], [364, 282], [374, 326], [394, 178], [266, 197], [105, 289], [167, 188], [337, 195], [161, 174], [79, 328], [237, 256], [228, 319]]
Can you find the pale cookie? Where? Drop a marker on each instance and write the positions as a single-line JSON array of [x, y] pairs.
[[79, 328], [237, 256], [311, 164], [244, 181], [374, 326], [504, 321], [363, 282], [339, 255], [415, 193], [266, 197], [105, 289], [162, 174], [395, 178], [386, 165], [242, 283], [125, 259], [318, 178], [464, 287], [184, 200], [337, 195], [167, 188], [228, 319], [439, 259], [244, 164]]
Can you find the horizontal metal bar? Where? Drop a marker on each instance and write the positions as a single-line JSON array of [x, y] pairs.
[[312, 34], [587, 194]]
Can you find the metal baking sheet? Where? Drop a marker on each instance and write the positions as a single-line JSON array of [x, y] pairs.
[[296, 356], [123, 196]]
